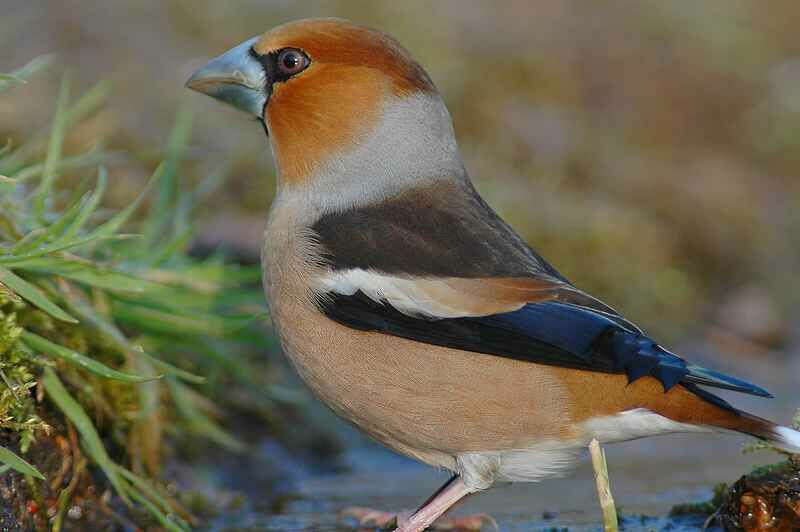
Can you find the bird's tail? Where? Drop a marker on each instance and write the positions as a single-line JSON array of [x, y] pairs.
[[709, 377], [782, 437], [697, 406]]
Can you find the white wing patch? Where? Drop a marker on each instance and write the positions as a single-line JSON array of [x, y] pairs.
[[421, 297]]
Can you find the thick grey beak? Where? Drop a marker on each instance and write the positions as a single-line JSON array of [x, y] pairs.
[[236, 78]]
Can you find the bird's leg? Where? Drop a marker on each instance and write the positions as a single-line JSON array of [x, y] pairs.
[[442, 500], [445, 498]]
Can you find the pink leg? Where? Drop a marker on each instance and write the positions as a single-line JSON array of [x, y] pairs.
[[441, 501]]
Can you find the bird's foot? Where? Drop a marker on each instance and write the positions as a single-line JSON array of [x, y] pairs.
[[369, 519]]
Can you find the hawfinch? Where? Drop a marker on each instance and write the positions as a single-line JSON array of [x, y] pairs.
[[410, 307]]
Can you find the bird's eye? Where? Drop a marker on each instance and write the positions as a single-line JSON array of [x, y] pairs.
[[291, 61]]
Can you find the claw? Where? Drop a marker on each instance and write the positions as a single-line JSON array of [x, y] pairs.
[[374, 519], [368, 518], [470, 523]]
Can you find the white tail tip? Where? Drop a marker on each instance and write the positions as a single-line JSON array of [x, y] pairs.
[[786, 439]]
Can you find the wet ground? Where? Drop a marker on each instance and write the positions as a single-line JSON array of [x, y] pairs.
[[648, 477]]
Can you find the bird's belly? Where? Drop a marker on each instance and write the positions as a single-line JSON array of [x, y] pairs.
[[428, 402]]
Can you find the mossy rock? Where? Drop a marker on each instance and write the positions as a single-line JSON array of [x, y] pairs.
[[767, 499]]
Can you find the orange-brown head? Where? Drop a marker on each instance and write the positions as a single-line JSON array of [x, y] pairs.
[[319, 85]]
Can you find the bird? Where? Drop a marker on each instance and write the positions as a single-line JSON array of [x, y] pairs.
[[410, 307]]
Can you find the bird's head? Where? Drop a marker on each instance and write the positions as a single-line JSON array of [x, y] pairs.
[[342, 104]]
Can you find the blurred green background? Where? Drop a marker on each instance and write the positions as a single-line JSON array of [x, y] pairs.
[[648, 149]]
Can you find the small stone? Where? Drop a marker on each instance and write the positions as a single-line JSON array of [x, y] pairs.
[[75, 512]]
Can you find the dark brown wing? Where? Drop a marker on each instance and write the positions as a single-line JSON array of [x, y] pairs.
[[443, 229]]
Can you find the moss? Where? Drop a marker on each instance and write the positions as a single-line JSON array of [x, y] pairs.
[[704, 508], [778, 469], [17, 405]]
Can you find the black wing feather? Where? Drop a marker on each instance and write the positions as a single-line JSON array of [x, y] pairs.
[[552, 333]]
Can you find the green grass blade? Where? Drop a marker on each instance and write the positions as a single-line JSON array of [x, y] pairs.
[[109, 330], [208, 186], [6, 187], [45, 346], [157, 499], [90, 158], [199, 422], [145, 487], [178, 245], [8, 294], [89, 102], [33, 295], [79, 305], [56, 247], [90, 274], [169, 323], [53, 150], [163, 211], [85, 105], [39, 236], [22, 74], [114, 224], [18, 464], [29, 241], [89, 208], [5, 150], [165, 521], [174, 371], [94, 446], [114, 335]]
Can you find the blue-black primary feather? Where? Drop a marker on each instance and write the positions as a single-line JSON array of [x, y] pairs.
[[554, 333]]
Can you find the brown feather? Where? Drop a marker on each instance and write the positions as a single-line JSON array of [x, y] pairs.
[[332, 104], [451, 296], [338, 41], [508, 294], [603, 394], [323, 112]]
